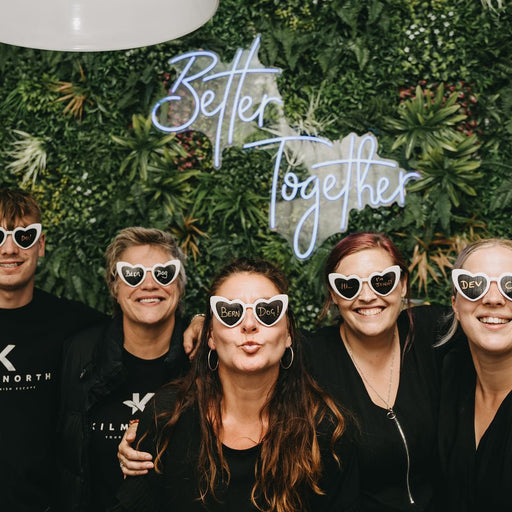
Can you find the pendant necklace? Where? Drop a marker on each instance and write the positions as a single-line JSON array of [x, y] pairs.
[[390, 412]]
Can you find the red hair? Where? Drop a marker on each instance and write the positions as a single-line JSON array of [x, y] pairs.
[[357, 242]]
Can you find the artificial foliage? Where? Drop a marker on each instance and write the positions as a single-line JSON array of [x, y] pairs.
[[431, 79]]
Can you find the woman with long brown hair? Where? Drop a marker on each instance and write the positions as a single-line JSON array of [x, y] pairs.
[[247, 429]]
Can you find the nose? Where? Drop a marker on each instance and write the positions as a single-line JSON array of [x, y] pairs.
[[149, 283], [367, 293], [493, 296], [249, 323], [9, 247]]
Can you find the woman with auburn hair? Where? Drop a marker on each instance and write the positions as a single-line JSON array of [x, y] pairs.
[[476, 399], [377, 360], [247, 429]]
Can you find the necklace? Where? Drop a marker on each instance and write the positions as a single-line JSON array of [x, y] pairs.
[[390, 412]]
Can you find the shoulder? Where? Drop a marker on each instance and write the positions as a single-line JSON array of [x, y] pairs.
[[428, 322], [69, 311], [79, 349], [89, 336], [161, 408], [324, 335]]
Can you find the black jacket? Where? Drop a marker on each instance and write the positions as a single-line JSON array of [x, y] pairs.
[[92, 370]]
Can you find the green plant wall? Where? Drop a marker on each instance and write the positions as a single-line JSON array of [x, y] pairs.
[[430, 79]]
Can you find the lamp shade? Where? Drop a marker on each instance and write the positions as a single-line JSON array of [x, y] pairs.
[[97, 25]]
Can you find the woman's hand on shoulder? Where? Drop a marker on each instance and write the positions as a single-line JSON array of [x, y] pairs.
[[192, 335], [131, 461]]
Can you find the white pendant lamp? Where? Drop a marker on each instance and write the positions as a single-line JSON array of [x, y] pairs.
[[98, 25]]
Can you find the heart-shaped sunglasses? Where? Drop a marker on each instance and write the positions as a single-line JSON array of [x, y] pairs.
[[163, 273], [24, 237], [231, 312], [475, 286], [349, 287]]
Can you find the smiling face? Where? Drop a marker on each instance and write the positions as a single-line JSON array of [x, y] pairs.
[[149, 303], [369, 315], [18, 266], [487, 322], [249, 347]]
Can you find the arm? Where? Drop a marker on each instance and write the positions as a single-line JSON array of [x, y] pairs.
[[192, 335]]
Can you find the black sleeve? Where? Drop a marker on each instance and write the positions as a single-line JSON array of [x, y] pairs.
[[340, 482]]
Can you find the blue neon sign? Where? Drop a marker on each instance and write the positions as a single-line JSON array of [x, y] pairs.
[[230, 103]]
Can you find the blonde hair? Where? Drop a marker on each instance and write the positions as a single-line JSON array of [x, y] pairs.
[[459, 263], [135, 236]]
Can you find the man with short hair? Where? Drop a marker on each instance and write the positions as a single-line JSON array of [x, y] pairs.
[[33, 327]]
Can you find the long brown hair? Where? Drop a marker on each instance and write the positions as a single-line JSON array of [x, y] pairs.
[[289, 465]]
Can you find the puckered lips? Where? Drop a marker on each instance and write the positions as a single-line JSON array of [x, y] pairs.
[[250, 347]]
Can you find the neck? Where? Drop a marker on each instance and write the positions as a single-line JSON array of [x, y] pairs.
[[12, 299], [494, 374], [244, 397], [493, 384], [378, 365], [246, 394], [147, 341], [370, 347]]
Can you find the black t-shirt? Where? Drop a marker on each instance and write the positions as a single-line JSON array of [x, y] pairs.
[[476, 479], [30, 356], [176, 488], [110, 419], [383, 454]]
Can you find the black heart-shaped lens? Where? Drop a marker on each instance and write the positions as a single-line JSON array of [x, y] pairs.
[[506, 285], [472, 287], [133, 275], [25, 237], [229, 313], [165, 275], [383, 283], [2, 237], [347, 287], [268, 312]]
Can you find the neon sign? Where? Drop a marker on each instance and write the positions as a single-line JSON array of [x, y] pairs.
[[232, 103], [208, 96]]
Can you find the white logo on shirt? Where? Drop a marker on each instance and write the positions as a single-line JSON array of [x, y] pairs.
[[136, 403], [4, 360]]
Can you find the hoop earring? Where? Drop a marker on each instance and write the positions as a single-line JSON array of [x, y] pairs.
[[286, 367], [212, 368]]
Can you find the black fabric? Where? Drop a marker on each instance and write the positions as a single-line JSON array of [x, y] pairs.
[[97, 371], [176, 488], [476, 479], [31, 353], [383, 462], [109, 420]]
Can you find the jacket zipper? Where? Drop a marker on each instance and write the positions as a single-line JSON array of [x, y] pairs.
[[392, 416]]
